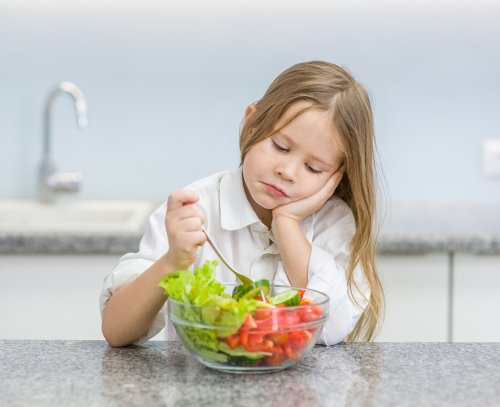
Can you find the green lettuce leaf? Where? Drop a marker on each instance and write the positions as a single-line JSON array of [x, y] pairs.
[[217, 308]]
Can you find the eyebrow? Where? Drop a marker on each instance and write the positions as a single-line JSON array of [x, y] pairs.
[[314, 158]]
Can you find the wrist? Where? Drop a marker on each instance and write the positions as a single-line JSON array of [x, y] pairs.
[[285, 226], [168, 264], [280, 219]]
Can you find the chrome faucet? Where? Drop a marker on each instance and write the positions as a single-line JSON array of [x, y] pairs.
[[51, 181]]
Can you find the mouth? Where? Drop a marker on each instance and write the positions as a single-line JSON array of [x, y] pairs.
[[275, 190]]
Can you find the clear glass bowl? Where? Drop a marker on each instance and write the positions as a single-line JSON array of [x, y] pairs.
[[271, 340]]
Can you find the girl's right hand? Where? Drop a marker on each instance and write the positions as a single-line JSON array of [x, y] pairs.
[[183, 222]]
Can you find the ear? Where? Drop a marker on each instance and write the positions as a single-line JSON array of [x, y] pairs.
[[249, 111]]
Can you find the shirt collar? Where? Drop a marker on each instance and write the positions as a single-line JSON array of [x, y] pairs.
[[236, 212]]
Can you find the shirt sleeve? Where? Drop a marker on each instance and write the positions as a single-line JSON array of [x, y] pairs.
[[152, 246], [331, 249], [333, 228]]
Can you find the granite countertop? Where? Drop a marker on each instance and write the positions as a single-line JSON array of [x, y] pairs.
[[406, 229], [89, 373]]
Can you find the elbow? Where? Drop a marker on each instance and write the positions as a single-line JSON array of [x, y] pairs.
[[110, 337], [112, 334]]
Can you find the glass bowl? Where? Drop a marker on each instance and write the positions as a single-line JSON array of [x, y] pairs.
[[270, 339]]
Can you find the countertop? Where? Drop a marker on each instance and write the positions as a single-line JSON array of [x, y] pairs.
[[406, 229], [89, 373]]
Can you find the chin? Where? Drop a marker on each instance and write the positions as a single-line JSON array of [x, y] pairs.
[[268, 204]]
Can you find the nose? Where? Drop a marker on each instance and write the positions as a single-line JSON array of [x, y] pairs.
[[287, 169]]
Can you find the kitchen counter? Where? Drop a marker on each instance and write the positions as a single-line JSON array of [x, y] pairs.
[[406, 229], [89, 373]]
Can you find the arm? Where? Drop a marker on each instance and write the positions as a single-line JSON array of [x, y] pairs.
[[132, 308], [294, 247], [334, 227]]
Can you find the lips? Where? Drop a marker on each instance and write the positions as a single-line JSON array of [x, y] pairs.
[[275, 190]]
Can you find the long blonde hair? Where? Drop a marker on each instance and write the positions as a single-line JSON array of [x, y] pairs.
[[331, 88]]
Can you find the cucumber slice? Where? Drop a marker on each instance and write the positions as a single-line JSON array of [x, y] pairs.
[[251, 290], [240, 351], [211, 355], [237, 291], [288, 298]]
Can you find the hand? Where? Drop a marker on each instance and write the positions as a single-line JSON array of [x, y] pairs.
[[298, 210], [183, 222]]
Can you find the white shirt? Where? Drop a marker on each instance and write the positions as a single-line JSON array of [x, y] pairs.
[[245, 242]]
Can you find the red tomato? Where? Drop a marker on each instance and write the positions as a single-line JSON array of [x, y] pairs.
[[262, 313], [248, 323], [278, 338], [301, 294], [291, 353], [233, 340], [244, 339], [286, 318], [257, 343], [299, 339], [275, 359], [308, 314]]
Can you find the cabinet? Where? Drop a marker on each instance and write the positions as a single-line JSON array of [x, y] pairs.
[[52, 297], [416, 294], [476, 299]]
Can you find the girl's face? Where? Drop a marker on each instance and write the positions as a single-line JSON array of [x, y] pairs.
[[293, 163]]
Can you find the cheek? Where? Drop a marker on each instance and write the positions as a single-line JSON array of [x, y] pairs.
[[313, 185]]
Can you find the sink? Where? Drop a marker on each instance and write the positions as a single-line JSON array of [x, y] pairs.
[[74, 217]]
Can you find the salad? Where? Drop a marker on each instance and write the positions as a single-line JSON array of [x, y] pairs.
[[249, 327]]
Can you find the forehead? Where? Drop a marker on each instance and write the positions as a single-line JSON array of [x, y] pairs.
[[313, 130], [301, 114]]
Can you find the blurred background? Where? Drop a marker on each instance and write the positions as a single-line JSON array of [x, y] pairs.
[[167, 83]]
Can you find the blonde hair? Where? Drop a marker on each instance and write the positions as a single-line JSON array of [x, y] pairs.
[[331, 88]]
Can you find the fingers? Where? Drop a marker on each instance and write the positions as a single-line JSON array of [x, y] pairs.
[[187, 241], [180, 205], [183, 222], [337, 177], [331, 185], [180, 198]]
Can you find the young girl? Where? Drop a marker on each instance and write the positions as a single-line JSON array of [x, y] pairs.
[[298, 211]]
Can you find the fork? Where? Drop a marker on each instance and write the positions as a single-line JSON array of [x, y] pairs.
[[245, 280]]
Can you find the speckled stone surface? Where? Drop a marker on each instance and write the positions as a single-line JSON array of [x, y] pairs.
[[425, 228], [406, 229], [89, 373]]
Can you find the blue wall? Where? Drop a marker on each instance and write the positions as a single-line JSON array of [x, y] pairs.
[[167, 85]]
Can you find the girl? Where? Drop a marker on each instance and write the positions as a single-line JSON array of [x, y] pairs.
[[298, 211]]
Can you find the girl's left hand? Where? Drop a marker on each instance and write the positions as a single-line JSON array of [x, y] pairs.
[[298, 210]]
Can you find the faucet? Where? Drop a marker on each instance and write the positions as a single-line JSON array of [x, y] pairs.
[[51, 181]]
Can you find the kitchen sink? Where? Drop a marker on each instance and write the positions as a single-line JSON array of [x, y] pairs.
[[74, 217]]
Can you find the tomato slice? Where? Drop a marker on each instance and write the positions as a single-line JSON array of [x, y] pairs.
[[262, 313], [278, 338], [233, 340], [286, 319], [299, 339], [275, 359], [308, 314], [257, 343], [248, 323], [291, 353], [244, 339]]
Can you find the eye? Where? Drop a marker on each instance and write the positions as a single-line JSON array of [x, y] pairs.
[[278, 147], [313, 170]]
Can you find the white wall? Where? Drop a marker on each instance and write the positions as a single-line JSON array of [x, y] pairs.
[[167, 83]]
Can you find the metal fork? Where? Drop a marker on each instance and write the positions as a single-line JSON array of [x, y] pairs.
[[245, 280]]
